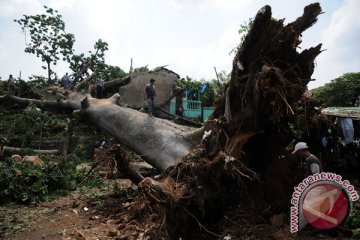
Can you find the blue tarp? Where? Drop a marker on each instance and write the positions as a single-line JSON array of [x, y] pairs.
[[348, 129]]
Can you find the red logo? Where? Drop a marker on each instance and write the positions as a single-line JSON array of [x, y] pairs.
[[325, 206]]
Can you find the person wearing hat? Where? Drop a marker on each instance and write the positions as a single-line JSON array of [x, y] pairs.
[[150, 95], [311, 162]]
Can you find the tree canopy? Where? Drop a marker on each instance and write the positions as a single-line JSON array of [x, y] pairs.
[[98, 64], [209, 90], [343, 91], [48, 39]]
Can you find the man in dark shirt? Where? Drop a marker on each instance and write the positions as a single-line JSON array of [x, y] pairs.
[[99, 83], [311, 162], [150, 95]]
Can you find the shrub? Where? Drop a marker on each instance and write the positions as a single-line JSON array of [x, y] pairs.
[[32, 184]]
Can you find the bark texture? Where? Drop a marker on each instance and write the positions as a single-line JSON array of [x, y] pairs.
[[159, 141]]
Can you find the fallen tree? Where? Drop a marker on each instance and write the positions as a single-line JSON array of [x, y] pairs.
[[158, 141], [12, 150], [242, 158]]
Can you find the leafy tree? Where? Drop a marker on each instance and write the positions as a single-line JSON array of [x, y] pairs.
[[244, 29], [98, 64], [218, 84], [48, 39], [213, 88], [343, 91]]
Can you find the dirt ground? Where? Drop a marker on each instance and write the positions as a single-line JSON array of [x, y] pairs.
[[75, 216], [92, 215]]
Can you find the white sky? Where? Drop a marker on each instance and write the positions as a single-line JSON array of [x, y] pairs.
[[191, 36]]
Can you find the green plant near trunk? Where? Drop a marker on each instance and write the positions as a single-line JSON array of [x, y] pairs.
[[29, 127], [355, 215], [21, 183]]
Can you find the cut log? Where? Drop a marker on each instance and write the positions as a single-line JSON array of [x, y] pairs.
[[13, 150], [83, 70], [84, 83], [116, 83], [60, 104]]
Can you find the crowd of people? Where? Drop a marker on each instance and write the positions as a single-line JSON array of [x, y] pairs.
[[96, 88]]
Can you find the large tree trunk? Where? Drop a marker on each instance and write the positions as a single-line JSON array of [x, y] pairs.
[[160, 142]]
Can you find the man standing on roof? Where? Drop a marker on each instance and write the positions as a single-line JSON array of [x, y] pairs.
[[150, 95], [311, 163]]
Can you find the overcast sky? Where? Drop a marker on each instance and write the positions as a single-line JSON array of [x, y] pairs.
[[191, 36]]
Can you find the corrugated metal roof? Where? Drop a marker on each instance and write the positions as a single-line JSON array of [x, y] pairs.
[[352, 112]]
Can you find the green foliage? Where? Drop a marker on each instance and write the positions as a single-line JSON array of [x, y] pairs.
[[77, 61], [26, 89], [356, 234], [37, 80], [97, 62], [355, 215], [188, 83], [48, 39], [219, 83], [120, 191], [30, 89], [32, 184], [214, 88], [296, 131], [22, 184], [24, 128], [244, 29], [208, 97], [343, 91], [113, 72]]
